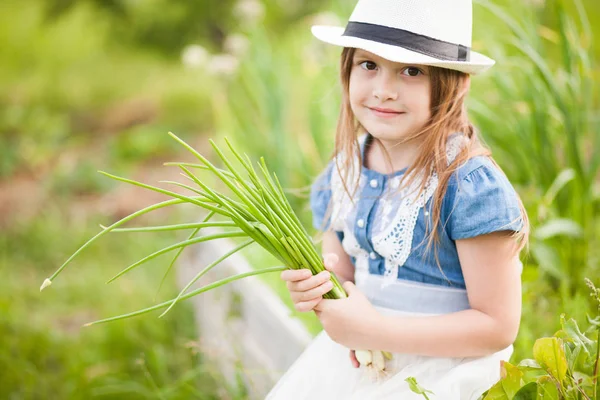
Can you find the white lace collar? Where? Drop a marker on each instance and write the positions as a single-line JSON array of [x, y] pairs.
[[396, 215]]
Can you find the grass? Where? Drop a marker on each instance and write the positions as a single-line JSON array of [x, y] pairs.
[[94, 92], [266, 110], [540, 118], [44, 347]]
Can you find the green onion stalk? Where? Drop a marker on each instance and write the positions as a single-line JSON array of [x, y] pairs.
[[259, 212]]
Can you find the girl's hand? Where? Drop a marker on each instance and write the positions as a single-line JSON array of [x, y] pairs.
[[307, 290], [353, 359], [351, 322]]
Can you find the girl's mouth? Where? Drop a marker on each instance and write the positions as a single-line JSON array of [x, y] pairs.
[[385, 112]]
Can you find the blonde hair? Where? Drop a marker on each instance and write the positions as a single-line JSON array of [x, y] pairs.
[[448, 115]]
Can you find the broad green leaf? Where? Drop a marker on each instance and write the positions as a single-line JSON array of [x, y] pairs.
[[550, 354], [527, 392], [581, 357], [496, 392], [532, 374], [547, 389], [511, 379], [528, 362]]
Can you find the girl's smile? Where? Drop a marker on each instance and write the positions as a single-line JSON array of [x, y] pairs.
[[386, 112]]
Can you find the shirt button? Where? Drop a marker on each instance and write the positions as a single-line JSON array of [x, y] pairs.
[[360, 223], [373, 183], [372, 255]]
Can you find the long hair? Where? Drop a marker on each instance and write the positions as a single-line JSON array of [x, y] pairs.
[[448, 115]]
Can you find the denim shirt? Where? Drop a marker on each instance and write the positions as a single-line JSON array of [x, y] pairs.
[[479, 199]]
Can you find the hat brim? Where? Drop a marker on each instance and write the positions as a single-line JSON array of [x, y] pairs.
[[477, 63]]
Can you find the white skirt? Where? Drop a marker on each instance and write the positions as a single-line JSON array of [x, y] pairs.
[[324, 371]]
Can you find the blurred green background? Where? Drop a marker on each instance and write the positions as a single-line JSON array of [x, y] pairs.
[[89, 85]]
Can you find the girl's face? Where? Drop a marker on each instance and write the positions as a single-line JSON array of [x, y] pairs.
[[390, 100]]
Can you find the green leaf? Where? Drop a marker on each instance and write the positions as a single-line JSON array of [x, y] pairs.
[[527, 392], [532, 374], [511, 379], [550, 354], [528, 362], [547, 389], [416, 388], [559, 227], [193, 293], [174, 259], [595, 322], [584, 381], [206, 270], [572, 353], [185, 243], [143, 211], [178, 253], [565, 176], [496, 392], [581, 356], [197, 225], [547, 258]]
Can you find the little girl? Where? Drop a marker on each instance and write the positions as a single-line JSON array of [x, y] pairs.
[[419, 221]]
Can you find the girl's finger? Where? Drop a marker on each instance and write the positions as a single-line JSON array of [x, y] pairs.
[[353, 359], [305, 306], [310, 283], [294, 275], [309, 295], [330, 260]]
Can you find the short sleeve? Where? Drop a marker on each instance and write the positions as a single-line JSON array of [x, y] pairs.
[[320, 196], [484, 202]]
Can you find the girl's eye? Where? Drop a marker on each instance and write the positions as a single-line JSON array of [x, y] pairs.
[[412, 71], [368, 65]]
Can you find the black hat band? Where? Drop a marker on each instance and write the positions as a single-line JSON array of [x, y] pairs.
[[408, 40]]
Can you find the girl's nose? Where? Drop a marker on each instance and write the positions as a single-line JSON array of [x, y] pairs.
[[384, 87]]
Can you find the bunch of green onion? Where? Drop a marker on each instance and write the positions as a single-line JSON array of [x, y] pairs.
[[260, 213]]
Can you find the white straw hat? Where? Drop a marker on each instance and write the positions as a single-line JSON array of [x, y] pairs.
[[428, 32]]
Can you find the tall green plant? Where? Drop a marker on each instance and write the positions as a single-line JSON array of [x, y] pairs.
[[283, 102], [541, 120]]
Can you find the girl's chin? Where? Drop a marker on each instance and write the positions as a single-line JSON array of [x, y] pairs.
[[391, 138], [388, 135]]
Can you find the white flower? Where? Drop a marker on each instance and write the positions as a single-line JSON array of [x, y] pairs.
[[223, 64], [194, 56], [249, 11], [326, 18], [236, 44]]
